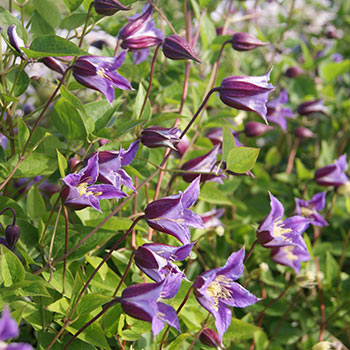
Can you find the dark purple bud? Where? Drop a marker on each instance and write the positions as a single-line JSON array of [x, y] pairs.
[[228, 31], [310, 107], [28, 108], [182, 146], [303, 133], [210, 338], [157, 136], [331, 33], [54, 64], [15, 40], [177, 48], [254, 129], [245, 42], [293, 72], [103, 142], [332, 174], [109, 7], [12, 234]]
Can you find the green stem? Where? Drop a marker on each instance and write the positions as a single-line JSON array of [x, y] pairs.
[[85, 25]]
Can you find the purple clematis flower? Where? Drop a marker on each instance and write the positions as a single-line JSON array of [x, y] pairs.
[[203, 164], [172, 215], [310, 107], [141, 301], [177, 48], [9, 329], [155, 260], [309, 209], [157, 136], [80, 190], [247, 93], [276, 232], [3, 141], [332, 174], [140, 34], [98, 73], [290, 255], [212, 218], [215, 290], [111, 164], [276, 113]]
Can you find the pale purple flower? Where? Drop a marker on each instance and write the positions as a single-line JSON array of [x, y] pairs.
[[332, 174], [216, 290], [3, 141], [212, 218], [141, 301], [172, 215], [276, 232], [248, 93], [99, 73], [310, 209], [277, 113], [290, 255], [81, 191]]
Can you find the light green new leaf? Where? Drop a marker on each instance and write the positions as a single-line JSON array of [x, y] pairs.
[[62, 163], [228, 142], [12, 270], [242, 159]]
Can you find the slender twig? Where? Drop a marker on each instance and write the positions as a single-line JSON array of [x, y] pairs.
[[66, 236], [125, 273], [292, 155], [199, 333], [85, 24], [161, 14], [213, 77], [320, 294], [66, 324], [13, 213], [250, 251]]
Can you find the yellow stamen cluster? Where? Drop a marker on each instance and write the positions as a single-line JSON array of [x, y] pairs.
[[289, 253], [218, 289], [84, 189], [102, 73], [279, 230], [306, 212]]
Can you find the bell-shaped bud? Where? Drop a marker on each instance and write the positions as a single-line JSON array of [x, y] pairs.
[[245, 42], [177, 48], [293, 72], [303, 133], [12, 234], [109, 7], [210, 338], [54, 64], [157, 136], [310, 107], [15, 40], [183, 145], [255, 129]]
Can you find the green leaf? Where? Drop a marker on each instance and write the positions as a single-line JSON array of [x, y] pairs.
[[40, 26], [62, 163], [110, 324], [228, 142], [239, 330], [125, 125], [273, 156], [90, 302], [23, 133], [308, 60], [12, 270], [208, 31], [52, 45], [73, 21], [209, 193], [72, 5], [329, 71], [72, 99], [22, 81], [177, 344], [6, 19], [332, 268], [242, 159], [35, 204], [141, 93], [302, 171], [48, 10]]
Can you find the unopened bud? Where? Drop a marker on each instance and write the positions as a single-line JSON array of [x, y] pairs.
[[177, 48], [157, 136], [12, 234], [303, 133], [15, 40], [182, 146], [254, 129], [293, 72], [344, 189], [323, 345], [210, 338], [109, 7], [314, 106], [245, 42], [54, 64], [306, 279]]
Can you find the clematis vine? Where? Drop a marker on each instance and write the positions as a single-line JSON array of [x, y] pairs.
[[216, 290], [171, 214]]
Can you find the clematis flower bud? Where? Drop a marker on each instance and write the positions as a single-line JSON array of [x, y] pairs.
[[303, 133], [254, 129], [314, 106], [245, 42], [332, 174], [15, 40], [323, 345], [12, 234], [293, 72], [54, 64], [182, 146], [177, 48], [109, 7], [247, 93], [210, 338], [157, 136]]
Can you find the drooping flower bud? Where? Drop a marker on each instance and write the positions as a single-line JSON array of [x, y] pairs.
[[210, 338], [332, 174], [15, 40], [245, 42], [109, 7], [303, 133], [182, 146], [54, 64], [12, 234], [293, 72], [177, 48], [314, 106], [255, 129], [157, 136]]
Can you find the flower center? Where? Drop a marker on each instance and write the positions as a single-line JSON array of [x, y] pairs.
[[305, 212], [289, 253], [279, 230], [218, 289], [82, 188], [102, 73]]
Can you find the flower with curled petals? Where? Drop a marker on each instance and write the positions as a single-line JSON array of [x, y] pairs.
[[216, 290], [172, 215]]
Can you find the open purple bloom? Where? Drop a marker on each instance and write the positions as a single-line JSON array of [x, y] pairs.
[[212, 218], [203, 164], [81, 191], [140, 34], [216, 290], [172, 215], [310, 209], [141, 301], [276, 113], [276, 232], [9, 329], [155, 260], [111, 164], [332, 174], [98, 73], [247, 93], [290, 255]]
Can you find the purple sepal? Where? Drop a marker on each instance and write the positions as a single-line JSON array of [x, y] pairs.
[[177, 48], [156, 136], [212, 218], [8, 325], [54, 64], [140, 56], [333, 174], [109, 7], [15, 41], [244, 41], [310, 107]]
